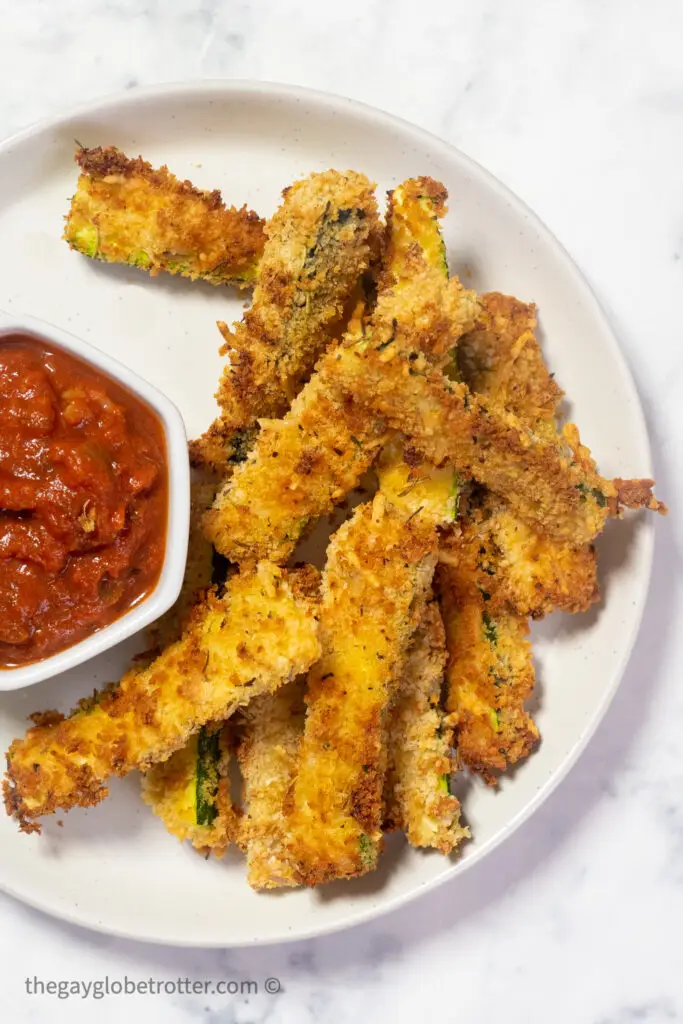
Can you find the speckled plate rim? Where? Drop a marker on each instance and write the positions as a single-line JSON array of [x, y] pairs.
[[329, 102]]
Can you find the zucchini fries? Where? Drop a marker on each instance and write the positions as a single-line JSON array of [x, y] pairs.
[[126, 211], [270, 729], [503, 360], [345, 702], [190, 791], [419, 740], [379, 567], [490, 675], [319, 243], [305, 464], [419, 733], [263, 632]]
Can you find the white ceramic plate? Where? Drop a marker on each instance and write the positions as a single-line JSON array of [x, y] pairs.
[[113, 867]]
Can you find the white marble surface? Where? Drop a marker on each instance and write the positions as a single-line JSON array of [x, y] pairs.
[[578, 106]]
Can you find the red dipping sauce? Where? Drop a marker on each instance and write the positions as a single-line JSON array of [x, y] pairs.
[[83, 500]]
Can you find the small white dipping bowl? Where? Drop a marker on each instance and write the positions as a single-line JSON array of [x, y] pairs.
[[178, 516]]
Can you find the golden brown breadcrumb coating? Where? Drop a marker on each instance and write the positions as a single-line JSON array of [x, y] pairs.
[[534, 572], [126, 211], [261, 633], [419, 740], [520, 568], [503, 360], [271, 728], [304, 464], [190, 791], [379, 567], [490, 674], [552, 485], [320, 241]]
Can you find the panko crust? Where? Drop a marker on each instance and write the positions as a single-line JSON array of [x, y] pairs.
[[126, 211], [306, 463], [375, 583], [490, 675], [271, 729], [419, 741], [248, 642], [320, 242]]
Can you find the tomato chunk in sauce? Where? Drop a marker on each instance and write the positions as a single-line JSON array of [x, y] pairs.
[[83, 500]]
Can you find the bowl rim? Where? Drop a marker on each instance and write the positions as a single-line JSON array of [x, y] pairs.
[[170, 578]]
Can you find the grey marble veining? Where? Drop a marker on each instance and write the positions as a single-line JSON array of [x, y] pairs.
[[578, 106]]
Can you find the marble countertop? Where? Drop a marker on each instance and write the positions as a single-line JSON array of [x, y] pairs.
[[578, 107]]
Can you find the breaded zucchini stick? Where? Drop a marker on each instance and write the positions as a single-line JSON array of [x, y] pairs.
[[490, 674], [304, 464], [320, 241], [502, 359], [419, 739], [126, 211], [552, 485], [419, 733], [536, 574], [261, 633], [271, 728], [520, 568], [190, 791], [549, 482], [473, 597], [379, 568]]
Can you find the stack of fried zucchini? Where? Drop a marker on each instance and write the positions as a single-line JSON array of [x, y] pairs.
[[346, 701]]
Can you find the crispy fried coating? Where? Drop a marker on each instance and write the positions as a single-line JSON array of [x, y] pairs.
[[419, 740], [271, 729], [261, 633], [503, 360], [419, 307], [535, 573], [190, 791], [320, 241], [379, 568], [300, 467], [550, 485], [306, 463], [126, 211], [490, 674], [637, 494], [419, 734], [521, 569]]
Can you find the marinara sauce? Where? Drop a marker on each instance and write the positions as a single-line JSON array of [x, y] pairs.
[[83, 500]]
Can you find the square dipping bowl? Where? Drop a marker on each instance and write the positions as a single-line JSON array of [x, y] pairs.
[[170, 578]]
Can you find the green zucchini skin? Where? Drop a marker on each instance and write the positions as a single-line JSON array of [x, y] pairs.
[[208, 758]]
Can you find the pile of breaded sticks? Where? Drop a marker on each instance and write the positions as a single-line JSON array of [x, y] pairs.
[[347, 698]]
